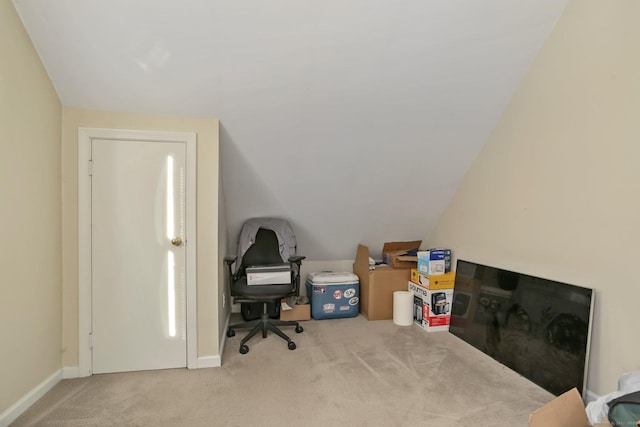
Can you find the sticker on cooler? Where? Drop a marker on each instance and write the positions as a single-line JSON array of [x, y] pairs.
[[329, 308], [349, 293], [354, 301], [337, 294], [319, 290]]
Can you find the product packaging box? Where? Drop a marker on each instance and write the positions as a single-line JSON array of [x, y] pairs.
[[434, 261], [432, 308], [333, 294], [268, 274], [401, 254], [566, 410], [377, 286], [439, 281]]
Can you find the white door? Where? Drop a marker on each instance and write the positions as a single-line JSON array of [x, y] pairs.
[[138, 289]]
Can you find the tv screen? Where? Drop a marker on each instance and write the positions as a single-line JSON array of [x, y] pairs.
[[537, 327]]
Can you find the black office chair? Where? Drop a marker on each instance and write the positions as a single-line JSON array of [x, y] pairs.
[[265, 250]]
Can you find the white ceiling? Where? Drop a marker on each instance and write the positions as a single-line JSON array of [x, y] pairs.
[[355, 119]]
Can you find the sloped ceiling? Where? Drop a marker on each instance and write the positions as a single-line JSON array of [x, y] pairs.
[[354, 119]]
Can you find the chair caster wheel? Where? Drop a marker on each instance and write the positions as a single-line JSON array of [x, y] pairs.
[[244, 349], [299, 329], [292, 345], [231, 333]]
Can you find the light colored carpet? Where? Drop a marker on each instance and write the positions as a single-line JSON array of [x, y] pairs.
[[347, 372]]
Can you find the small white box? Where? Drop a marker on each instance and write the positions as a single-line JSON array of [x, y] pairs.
[[269, 275], [432, 309], [434, 261]]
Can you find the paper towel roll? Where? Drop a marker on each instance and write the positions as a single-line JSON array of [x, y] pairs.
[[403, 308]]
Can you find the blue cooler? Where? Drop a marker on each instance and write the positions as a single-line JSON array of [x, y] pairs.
[[333, 295]]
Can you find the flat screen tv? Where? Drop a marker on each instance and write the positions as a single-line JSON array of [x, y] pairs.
[[537, 327]]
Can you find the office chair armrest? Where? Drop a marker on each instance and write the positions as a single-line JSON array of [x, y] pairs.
[[295, 272], [297, 259], [229, 260]]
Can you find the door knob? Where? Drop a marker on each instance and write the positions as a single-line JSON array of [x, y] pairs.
[[176, 241]]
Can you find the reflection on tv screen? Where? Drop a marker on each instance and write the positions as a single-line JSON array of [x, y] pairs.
[[537, 327]]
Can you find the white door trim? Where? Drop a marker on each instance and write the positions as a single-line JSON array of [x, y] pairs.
[[85, 136]]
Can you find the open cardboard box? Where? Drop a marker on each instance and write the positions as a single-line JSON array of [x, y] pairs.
[[566, 410], [395, 255], [298, 312], [377, 286]]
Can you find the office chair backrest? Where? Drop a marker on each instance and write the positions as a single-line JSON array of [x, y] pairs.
[[264, 251], [282, 229]]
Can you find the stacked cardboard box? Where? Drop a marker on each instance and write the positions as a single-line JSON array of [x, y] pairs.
[[434, 261], [432, 293]]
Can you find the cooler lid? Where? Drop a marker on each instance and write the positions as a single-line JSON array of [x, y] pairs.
[[327, 277]]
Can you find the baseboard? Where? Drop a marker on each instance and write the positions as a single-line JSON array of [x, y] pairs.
[[18, 408], [591, 396], [216, 361], [69, 372], [209, 362]]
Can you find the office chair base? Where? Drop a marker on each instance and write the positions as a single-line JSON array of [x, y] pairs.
[[264, 324]]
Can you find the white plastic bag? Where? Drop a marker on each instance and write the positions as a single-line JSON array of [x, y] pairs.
[[599, 408]]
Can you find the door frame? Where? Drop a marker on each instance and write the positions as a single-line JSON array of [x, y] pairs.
[[85, 137]]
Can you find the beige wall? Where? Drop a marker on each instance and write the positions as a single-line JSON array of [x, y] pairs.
[[206, 212], [555, 191], [30, 256]]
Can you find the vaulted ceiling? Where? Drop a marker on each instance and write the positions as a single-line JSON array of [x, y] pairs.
[[355, 119]]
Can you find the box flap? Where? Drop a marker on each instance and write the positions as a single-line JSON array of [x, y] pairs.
[[400, 246], [361, 263], [393, 251], [566, 410], [361, 269], [404, 255]]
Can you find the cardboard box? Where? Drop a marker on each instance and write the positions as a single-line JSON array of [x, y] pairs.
[[432, 308], [377, 286], [395, 254], [434, 261], [439, 281], [298, 312], [566, 410]]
